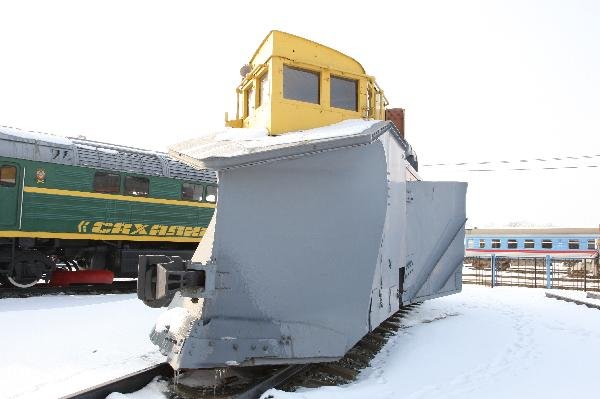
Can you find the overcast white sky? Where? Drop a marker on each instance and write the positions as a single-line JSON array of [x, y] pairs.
[[494, 80]]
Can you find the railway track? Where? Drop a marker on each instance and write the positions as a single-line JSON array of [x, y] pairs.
[[251, 382], [117, 287]]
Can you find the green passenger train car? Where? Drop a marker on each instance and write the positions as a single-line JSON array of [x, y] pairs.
[[79, 204]]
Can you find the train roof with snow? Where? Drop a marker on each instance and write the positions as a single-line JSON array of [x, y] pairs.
[[44, 147]]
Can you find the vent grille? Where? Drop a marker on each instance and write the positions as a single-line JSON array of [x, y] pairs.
[[179, 170]]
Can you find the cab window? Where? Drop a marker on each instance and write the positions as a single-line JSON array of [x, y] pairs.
[[107, 183], [344, 93], [211, 193], [137, 186], [301, 85], [8, 176], [264, 91], [191, 192]]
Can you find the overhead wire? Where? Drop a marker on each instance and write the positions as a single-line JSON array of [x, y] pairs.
[[523, 164]]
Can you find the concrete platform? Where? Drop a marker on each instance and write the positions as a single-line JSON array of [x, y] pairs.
[[577, 299], [593, 295]]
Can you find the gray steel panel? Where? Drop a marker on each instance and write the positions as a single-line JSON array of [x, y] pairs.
[[308, 241], [285, 262], [436, 218]]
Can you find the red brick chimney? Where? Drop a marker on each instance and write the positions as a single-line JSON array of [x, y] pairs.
[[396, 115]]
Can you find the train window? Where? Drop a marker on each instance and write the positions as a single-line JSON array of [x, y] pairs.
[[250, 101], [573, 244], [481, 243], [263, 89], [301, 85], [191, 192], [547, 244], [211, 193], [8, 176], [470, 243], [512, 244], [591, 244], [344, 93], [495, 243], [529, 244], [137, 186], [107, 183]]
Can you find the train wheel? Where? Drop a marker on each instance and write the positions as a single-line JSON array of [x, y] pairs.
[[19, 282], [29, 268], [22, 276]]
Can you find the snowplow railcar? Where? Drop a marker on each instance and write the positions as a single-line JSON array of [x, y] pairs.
[[321, 230]]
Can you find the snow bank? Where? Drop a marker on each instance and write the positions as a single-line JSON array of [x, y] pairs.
[[234, 142], [500, 343], [171, 319], [157, 389], [481, 343], [56, 345], [576, 295]]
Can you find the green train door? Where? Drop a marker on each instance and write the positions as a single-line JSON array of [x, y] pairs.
[[10, 195]]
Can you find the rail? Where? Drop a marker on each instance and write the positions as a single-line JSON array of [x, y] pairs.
[[288, 376], [117, 287]]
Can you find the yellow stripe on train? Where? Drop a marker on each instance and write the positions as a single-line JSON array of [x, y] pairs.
[[139, 229], [92, 236], [117, 197]]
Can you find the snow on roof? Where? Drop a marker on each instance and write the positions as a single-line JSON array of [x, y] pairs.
[[112, 148], [233, 142], [14, 133], [101, 149]]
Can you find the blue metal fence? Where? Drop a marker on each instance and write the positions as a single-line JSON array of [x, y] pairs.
[[539, 272]]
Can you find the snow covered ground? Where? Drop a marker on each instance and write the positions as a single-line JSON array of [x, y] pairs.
[[580, 296], [482, 343], [55, 345]]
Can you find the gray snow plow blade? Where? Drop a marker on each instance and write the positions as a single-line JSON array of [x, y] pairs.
[[312, 245]]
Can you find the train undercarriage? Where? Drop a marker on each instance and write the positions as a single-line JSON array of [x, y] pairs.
[[26, 261]]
